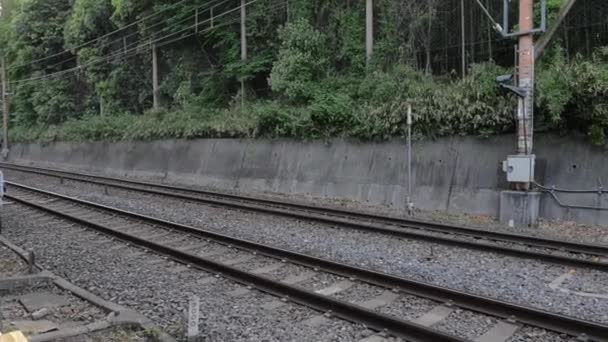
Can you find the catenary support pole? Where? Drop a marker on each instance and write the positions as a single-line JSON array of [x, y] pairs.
[[525, 109], [369, 29], [243, 46], [5, 111], [463, 40], [155, 87]]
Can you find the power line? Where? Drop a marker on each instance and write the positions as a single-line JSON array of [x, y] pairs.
[[109, 34], [208, 5], [146, 46]]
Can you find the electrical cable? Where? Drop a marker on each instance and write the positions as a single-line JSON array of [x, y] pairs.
[[114, 32], [169, 27], [146, 45]]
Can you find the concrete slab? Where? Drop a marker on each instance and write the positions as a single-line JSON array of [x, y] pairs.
[[500, 332], [294, 279], [29, 327], [275, 304], [268, 269], [39, 300], [22, 281], [434, 316], [385, 298], [316, 321], [338, 287], [238, 260], [241, 291], [374, 338]]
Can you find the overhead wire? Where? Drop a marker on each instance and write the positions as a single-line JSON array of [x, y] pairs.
[[147, 45], [80, 46], [123, 51]]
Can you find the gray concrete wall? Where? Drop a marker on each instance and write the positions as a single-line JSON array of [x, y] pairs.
[[454, 174]]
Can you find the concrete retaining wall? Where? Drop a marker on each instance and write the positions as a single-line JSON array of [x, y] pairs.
[[454, 174]]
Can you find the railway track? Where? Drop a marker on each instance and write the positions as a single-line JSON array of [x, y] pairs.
[[204, 249], [569, 253]]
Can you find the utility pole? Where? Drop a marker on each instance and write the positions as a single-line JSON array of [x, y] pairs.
[[5, 111], [155, 87], [463, 40], [525, 107], [243, 47], [369, 29]]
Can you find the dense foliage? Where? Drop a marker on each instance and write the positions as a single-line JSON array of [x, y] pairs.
[[306, 74]]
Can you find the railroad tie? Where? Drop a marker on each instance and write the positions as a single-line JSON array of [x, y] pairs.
[[241, 291], [385, 298], [374, 338], [294, 279], [319, 320], [316, 321], [338, 287], [175, 240], [272, 305], [193, 247], [212, 253], [136, 230], [238, 260], [290, 280], [434, 316], [500, 332], [269, 268], [156, 236]]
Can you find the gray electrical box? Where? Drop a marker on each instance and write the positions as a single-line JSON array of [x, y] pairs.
[[519, 168]]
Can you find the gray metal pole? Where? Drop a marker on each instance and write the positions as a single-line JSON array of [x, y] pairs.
[[463, 37], [369, 29], [155, 87], [5, 110], [410, 205], [243, 46]]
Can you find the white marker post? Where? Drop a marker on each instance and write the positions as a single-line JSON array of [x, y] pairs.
[[410, 205], [193, 318]]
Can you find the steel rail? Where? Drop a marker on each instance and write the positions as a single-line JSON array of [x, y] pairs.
[[527, 315], [353, 220], [350, 312]]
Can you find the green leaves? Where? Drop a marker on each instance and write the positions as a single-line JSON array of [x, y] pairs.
[[574, 95], [302, 60]]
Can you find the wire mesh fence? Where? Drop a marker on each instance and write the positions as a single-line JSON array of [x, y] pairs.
[[461, 34]]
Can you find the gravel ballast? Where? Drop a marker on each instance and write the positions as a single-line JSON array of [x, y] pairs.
[[507, 278], [11, 265], [125, 277], [555, 229]]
